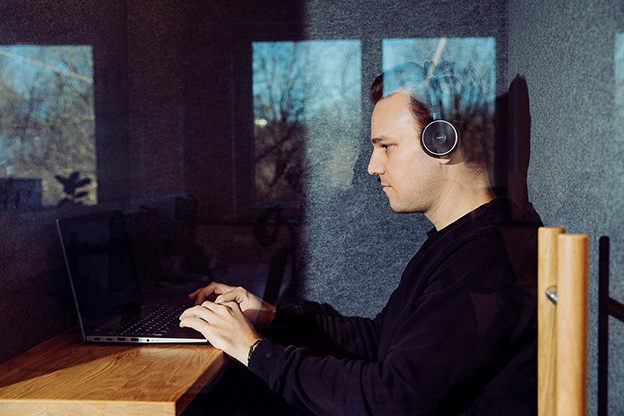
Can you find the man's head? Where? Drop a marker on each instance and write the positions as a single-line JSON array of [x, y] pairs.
[[408, 98], [444, 91], [408, 175]]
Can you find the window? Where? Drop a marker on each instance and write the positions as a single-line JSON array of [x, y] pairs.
[[478, 53], [307, 113], [47, 122]]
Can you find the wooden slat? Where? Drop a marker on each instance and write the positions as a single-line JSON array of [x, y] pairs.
[[572, 312], [546, 320], [63, 376]]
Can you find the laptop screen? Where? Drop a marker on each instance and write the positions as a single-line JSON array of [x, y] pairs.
[[99, 260]]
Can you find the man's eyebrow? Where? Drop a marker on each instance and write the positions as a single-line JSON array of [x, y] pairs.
[[379, 139]]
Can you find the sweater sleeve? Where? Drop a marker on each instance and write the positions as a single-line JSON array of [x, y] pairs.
[[447, 339], [356, 336]]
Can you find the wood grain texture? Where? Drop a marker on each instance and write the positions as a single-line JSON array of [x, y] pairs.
[[572, 312], [546, 320], [63, 376]]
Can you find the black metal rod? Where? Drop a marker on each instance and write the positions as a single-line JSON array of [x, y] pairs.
[[603, 326]]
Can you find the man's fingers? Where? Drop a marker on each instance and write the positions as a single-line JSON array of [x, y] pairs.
[[194, 322], [198, 325], [199, 312], [222, 308], [237, 295], [212, 290], [201, 297], [198, 296], [230, 296]]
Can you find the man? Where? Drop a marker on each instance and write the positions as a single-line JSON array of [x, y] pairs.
[[458, 335]]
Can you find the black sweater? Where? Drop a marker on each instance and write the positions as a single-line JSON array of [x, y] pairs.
[[457, 337]]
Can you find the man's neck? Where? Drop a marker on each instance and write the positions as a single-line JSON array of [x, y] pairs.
[[459, 201]]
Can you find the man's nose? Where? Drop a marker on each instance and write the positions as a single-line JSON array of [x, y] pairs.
[[374, 167]]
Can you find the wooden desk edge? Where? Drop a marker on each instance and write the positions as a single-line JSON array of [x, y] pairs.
[[60, 406], [86, 407], [201, 386]]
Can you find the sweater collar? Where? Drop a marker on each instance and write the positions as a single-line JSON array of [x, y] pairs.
[[492, 211]]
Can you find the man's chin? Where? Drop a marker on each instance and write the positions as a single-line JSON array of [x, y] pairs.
[[399, 209]]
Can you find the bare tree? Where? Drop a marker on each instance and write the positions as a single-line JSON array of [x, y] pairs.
[[297, 86], [47, 115], [280, 90]]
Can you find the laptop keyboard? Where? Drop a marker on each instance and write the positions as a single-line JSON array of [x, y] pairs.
[[154, 320]]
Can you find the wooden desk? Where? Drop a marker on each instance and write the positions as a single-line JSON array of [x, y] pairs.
[[65, 377]]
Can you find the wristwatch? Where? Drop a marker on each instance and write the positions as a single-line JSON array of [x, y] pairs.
[[252, 349]]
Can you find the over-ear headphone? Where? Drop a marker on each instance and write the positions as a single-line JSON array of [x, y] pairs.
[[439, 138]]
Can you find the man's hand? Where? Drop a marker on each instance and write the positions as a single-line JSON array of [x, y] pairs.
[[259, 312], [209, 292], [224, 326]]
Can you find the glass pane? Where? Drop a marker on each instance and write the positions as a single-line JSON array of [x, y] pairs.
[[478, 53], [47, 126], [307, 100]]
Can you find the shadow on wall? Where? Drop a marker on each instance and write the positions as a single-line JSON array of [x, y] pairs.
[[513, 143]]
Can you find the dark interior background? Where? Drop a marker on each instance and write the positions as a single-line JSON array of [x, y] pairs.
[[174, 147]]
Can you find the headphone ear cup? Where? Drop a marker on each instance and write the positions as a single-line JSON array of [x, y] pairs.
[[439, 138]]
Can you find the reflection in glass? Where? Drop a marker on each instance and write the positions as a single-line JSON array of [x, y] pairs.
[[47, 125], [456, 77], [478, 53], [307, 110]]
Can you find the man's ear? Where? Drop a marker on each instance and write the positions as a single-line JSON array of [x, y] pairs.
[[444, 160], [451, 159]]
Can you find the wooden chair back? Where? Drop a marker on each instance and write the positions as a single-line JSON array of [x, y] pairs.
[[563, 283]]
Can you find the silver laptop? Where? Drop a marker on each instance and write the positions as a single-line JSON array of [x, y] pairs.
[[106, 286]]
